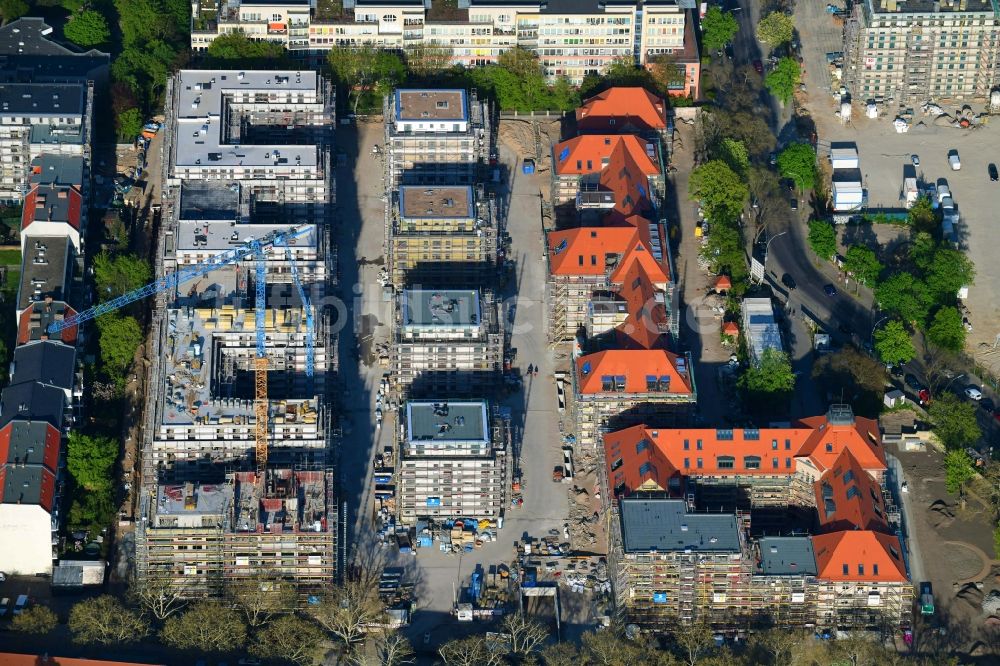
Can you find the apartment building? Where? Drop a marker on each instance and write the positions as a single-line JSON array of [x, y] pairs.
[[623, 110], [571, 38], [850, 574], [267, 130], [916, 50], [583, 169], [436, 137], [441, 232], [454, 460], [46, 101], [447, 342], [205, 537]]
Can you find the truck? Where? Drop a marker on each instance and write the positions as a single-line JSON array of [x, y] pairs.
[[926, 599], [954, 160], [910, 191]]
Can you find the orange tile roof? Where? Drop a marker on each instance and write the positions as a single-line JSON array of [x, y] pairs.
[[847, 497], [591, 152], [859, 556], [583, 250], [726, 451], [624, 177], [731, 328], [635, 366], [646, 323], [634, 108], [12, 659], [828, 440], [633, 460], [723, 282]]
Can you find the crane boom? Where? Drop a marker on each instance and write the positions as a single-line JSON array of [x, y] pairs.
[[260, 362], [179, 277], [307, 307]]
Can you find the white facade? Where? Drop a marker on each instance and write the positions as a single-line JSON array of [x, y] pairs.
[[32, 553]]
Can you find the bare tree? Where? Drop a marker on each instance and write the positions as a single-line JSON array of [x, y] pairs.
[[105, 620], [290, 638], [261, 596], [608, 648], [158, 596], [471, 651], [694, 641], [348, 610], [561, 654], [393, 649], [526, 635]]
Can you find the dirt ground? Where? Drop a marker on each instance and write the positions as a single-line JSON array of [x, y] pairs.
[[954, 546]]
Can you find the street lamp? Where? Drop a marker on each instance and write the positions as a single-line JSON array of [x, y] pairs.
[[767, 245], [871, 337], [950, 381]]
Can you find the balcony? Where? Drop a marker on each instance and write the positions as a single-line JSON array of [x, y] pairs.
[[277, 28]]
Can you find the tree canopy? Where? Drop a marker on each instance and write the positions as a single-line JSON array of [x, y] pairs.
[[904, 295], [364, 69], [106, 621], [862, 263], [946, 329], [851, 376], [206, 627], [13, 9], [775, 29], [922, 216], [725, 254], [249, 52], [734, 153], [770, 376], [958, 470], [894, 344], [120, 337], [949, 270], [954, 421], [783, 78], [722, 192], [822, 239], [717, 28], [119, 274], [35, 619], [91, 459], [128, 125], [798, 163], [290, 638], [87, 29]]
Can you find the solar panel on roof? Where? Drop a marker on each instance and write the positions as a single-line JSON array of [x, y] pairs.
[[564, 154], [562, 246]]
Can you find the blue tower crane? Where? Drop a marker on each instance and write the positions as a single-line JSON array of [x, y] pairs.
[[310, 331]]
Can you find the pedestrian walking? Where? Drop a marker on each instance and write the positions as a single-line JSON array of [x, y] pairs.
[[530, 367]]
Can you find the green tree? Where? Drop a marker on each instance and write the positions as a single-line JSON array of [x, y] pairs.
[[717, 28], [119, 274], [822, 239], [427, 60], [996, 542], [35, 620], [954, 421], [946, 329], [894, 344], [206, 627], [922, 216], [91, 459], [798, 163], [922, 250], [104, 620], [91, 510], [783, 79], [725, 255], [622, 71], [363, 69], [128, 125], [120, 337], [250, 52], [958, 470], [13, 9], [770, 375], [949, 270], [734, 153], [776, 29], [667, 72], [721, 191], [88, 28], [853, 377], [904, 295], [862, 263], [290, 638]]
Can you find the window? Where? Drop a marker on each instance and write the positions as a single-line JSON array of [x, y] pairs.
[[849, 476], [751, 462], [687, 444], [788, 445], [852, 492], [645, 469], [687, 463], [829, 447], [642, 445], [788, 463], [875, 569], [774, 445], [774, 463], [751, 434], [861, 569], [699, 445], [699, 463], [616, 464], [846, 570], [724, 434], [725, 462], [388, 18]]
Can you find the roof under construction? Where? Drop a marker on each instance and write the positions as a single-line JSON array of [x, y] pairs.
[[450, 201], [441, 308], [444, 421]]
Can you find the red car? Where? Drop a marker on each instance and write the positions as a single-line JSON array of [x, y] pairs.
[[758, 66]]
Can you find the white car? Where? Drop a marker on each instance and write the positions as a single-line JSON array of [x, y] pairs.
[[905, 487], [915, 159], [973, 393]]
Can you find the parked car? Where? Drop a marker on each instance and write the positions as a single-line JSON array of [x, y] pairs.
[[986, 404], [912, 382], [915, 159], [904, 487], [829, 290], [954, 160], [758, 66], [973, 393], [794, 203], [994, 175], [788, 281], [22, 601], [4, 606]]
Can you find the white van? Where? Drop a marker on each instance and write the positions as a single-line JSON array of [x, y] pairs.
[[954, 161]]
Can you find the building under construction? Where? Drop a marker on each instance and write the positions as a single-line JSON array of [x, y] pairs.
[[447, 342], [204, 537], [441, 233], [436, 137], [237, 447], [913, 51]]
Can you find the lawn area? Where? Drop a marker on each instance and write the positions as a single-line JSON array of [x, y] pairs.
[[11, 257]]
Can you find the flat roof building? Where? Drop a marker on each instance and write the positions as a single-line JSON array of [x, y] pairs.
[[760, 327], [45, 271]]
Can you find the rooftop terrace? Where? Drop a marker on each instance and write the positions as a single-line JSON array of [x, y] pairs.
[[435, 202], [451, 422], [425, 105], [441, 308]]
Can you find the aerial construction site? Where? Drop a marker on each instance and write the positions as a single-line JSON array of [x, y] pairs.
[[238, 435]]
